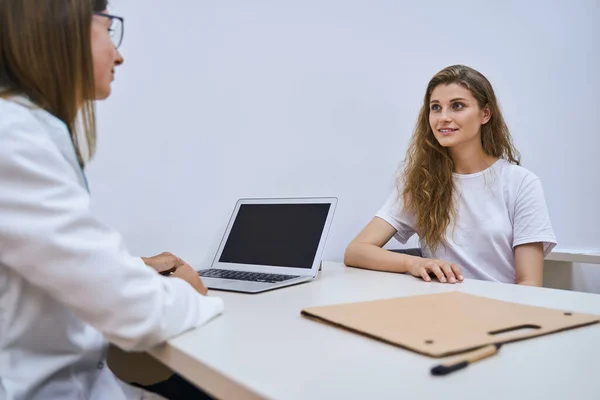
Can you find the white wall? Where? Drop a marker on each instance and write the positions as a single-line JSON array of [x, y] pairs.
[[225, 99]]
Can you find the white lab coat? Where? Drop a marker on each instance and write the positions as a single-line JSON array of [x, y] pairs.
[[67, 282]]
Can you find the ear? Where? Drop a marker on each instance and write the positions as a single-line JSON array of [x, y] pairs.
[[487, 115]]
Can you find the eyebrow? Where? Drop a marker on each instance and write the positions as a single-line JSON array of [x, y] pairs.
[[456, 99]]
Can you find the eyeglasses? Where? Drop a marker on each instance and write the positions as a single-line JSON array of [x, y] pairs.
[[116, 29]]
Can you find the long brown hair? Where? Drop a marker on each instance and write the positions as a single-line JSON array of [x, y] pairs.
[[46, 56], [426, 184]]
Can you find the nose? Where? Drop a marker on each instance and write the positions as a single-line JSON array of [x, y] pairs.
[[445, 116], [118, 58]]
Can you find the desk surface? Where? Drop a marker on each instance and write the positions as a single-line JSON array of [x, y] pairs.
[[261, 347], [575, 256]]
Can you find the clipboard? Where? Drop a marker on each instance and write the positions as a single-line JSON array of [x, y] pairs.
[[444, 324]]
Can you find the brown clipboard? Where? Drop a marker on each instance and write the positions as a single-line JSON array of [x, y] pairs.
[[444, 324]]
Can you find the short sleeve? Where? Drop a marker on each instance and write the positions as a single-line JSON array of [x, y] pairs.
[[531, 219], [393, 213]]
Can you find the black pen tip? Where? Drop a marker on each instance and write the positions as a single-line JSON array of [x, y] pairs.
[[439, 370], [445, 369]]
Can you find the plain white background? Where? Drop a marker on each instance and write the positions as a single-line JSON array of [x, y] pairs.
[[219, 100]]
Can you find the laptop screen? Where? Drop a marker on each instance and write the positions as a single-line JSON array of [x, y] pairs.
[[283, 235]]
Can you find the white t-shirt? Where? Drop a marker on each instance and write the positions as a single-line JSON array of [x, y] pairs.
[[497, 209]]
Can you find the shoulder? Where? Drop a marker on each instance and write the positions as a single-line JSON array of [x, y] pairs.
[[515, 176], [24, 133], [17, 115], [25, 125]]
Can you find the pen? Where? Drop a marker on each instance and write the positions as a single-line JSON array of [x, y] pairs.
[[168, 272], [479, 354]]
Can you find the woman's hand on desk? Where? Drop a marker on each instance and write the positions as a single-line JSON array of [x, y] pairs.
[[190, 275], [445, 271], [164, 263], [171, 265]]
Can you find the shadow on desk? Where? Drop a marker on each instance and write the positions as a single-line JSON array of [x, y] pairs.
[[562, 275], [411, 252]]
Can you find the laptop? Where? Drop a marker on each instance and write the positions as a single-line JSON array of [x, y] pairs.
[[271, 243]]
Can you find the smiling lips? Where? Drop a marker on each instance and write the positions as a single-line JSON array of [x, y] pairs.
[[447, 131]]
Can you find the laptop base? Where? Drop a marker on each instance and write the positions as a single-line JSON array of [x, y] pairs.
[[230, 285]]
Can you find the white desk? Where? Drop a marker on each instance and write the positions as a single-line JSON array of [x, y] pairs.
[[261, 347], [575, 256]]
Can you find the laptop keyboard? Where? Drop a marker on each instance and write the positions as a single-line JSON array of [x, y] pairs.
[[245, 276]]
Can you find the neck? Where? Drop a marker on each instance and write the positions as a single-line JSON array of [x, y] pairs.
[[470, 159]]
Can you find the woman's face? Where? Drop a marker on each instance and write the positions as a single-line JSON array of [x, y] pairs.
[[455, 117], [105, 56]]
